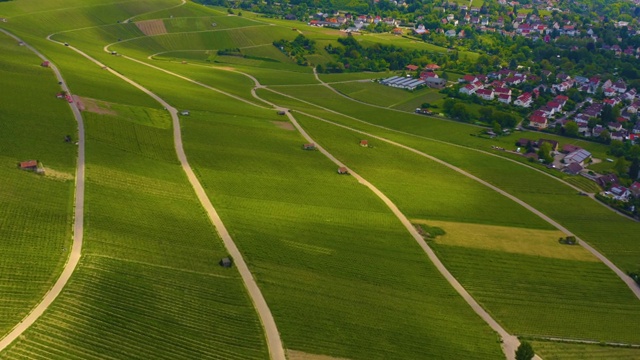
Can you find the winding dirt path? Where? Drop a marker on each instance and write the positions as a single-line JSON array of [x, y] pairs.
[[78, 219], [328, 86], [509, 342], [276, 349], [624, 277]]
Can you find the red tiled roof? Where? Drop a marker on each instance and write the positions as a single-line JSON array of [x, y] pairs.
[[29, 164]]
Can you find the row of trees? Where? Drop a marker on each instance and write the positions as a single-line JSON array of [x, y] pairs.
[[352, 56]]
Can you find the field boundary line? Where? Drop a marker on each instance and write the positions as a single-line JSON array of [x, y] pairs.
[[509, 342], [582, 341], [78, 218], [274, 343], [157, 266]]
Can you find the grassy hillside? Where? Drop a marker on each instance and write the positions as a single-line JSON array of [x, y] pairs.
[[149, 279], [593, 222], [321, 245], [36, 211]]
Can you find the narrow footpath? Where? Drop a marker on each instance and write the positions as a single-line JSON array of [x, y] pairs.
[[274, 343], [509, 342], [78, 219], [624, 277], [328, 86]]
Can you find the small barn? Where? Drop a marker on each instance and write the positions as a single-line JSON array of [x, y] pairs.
[[226, 262], [45, 64], [364, 143], [309, 146], [31, 165], [184, 113], [343, 171], [281, 112]]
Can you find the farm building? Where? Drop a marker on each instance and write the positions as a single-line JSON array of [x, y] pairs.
[[281, 112], [226, 262], [573, 169], [436, 83], [45, 64], [309, 146], [364, 143], [403, 82], [579, 157], [343, 170], [185, 113], [31, 165]]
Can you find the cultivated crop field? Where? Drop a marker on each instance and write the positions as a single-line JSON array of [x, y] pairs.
[[36, 211], [498, 280], [562, 351], [593, 223], [342, 277], [299, 228], [150, 268]]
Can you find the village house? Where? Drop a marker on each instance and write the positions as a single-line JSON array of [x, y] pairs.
[[607, 180], [538, 122], [486, 94], [504, 98], [620, 192], [524, 100]]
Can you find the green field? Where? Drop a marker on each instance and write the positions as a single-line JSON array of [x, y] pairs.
[[562, 351], [565, 300], [341, 275], [37, 210], [299, 228], [592, 223], [380, 95], [149, 269]]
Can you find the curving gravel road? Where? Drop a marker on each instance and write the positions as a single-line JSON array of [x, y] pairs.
[[276, 349], [78, 221]]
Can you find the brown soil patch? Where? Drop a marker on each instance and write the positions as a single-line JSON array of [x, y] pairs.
[[152, 27], [284, 125], [299, 355], [57, 175], [94, 106]]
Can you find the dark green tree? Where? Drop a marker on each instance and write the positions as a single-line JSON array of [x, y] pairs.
[[571, 128], [525, 351]]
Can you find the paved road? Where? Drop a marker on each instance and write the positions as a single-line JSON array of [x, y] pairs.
[[78, 221], [276, 349]]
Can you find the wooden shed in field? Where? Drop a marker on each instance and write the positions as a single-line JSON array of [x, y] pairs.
[[31, 165], [364, 143], [226, 262], [309, 146], [343, 171], [45, 64]]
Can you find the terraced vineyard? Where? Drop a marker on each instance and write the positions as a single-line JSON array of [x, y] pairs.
[[36, 211], [150, 273], [341, 275]]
